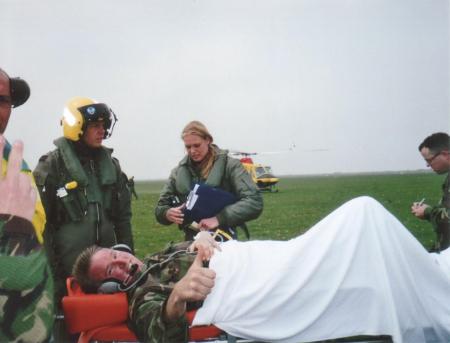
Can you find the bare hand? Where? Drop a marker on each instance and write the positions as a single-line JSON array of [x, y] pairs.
[[17, 195], [419, 210], [208, 223], [204, 241], [175, 214], [198, 281], [195, 285]]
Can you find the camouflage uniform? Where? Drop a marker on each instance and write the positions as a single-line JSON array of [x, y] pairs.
[[228, 174], [148, 300], [439, 216], [26, 286]]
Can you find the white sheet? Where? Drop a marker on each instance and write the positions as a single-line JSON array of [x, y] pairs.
[[358, 271]]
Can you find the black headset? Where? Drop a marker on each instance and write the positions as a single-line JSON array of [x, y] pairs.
[[19, 90]]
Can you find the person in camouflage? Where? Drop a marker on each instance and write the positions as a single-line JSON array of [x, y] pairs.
[[435, 151], [26, 285], [274, 290], [178, 281]]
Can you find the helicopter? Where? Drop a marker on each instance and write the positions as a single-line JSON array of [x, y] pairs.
[[261, 175]]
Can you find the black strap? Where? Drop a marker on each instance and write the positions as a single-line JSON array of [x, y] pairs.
[[245, 229]]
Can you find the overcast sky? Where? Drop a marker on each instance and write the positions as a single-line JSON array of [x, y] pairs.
[[366, 80]]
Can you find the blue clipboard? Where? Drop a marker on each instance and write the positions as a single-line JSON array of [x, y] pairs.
[[205, 201]]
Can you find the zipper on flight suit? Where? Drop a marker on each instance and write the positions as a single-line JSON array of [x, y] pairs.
[[97, 221]]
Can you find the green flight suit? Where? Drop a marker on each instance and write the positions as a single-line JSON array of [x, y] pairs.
[[147, 301], [94, 210], [26, 284], [439, 216], [228, 174]]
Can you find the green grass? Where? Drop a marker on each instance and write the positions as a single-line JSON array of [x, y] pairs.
[[299, 204]]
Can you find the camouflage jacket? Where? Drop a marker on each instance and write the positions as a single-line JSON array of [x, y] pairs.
[[439, 216], [228, 174], [147, 301], [26, 286]]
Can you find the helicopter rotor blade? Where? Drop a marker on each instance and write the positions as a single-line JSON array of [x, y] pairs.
[[291, 149], [242, 153], [315, 150]]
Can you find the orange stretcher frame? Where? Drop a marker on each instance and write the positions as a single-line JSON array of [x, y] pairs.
[[103, 317]]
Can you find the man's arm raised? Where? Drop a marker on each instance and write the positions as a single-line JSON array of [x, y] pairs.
[[194, 286]]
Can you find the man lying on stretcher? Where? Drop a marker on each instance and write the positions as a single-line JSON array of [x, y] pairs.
[[160, 295], [357, 272]]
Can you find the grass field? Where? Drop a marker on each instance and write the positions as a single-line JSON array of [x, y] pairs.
[[300, 203]]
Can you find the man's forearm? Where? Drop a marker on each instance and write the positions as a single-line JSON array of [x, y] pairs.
[[174, 308], [147, 314]]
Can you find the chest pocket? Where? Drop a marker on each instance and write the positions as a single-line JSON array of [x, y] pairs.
[[77, 200], [74, 204]]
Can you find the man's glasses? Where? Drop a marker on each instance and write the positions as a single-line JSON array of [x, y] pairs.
[[431, 159]]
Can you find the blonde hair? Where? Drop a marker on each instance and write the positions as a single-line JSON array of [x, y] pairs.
[[199, 129]]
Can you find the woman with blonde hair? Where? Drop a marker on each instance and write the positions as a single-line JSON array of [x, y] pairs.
[[206, 163]]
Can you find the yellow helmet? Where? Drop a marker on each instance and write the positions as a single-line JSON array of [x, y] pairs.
[[79, 111]]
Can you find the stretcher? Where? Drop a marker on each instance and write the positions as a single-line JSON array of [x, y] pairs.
[[103, 317]]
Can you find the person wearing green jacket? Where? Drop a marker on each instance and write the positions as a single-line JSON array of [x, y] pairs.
[[435, 150], [26, 284], [206, 163], [149, 284], [83, 189]]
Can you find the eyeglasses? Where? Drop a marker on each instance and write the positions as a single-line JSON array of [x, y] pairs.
[[431, 159]]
